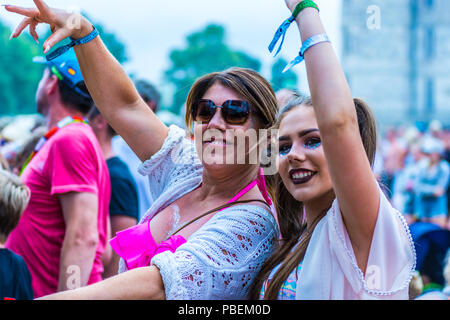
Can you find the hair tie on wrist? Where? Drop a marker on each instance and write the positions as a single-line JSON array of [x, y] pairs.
[[306, 45], [61, 50], [281, 31]]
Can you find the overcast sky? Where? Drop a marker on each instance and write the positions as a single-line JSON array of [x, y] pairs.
[[151, 28]]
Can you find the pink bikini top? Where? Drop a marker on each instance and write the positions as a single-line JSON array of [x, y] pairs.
[[137, 247]]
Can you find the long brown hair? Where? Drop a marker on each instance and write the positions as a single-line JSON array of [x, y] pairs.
[[290, 211]]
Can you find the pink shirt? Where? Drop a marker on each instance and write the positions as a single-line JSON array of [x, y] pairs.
[[71, 161]]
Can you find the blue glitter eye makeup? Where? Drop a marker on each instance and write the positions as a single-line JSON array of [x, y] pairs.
[[310, 144], [284, 150], [313, 143]]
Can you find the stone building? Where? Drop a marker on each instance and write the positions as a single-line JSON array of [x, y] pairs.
[[396, 55]]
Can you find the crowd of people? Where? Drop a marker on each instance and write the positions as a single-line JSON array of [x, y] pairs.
[[112, 203], [415, 172]]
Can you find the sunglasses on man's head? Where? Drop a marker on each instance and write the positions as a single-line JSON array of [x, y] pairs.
[[233, 111]]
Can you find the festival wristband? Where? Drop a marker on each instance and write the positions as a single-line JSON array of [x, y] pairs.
[[281, 32], [303, 5], [306, 45], [60, 51]]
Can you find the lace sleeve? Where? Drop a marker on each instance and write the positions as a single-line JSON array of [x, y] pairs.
[[175, 162], [221, 260]]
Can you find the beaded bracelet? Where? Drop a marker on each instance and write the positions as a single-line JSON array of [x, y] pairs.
[[281, 32], [74, 42]]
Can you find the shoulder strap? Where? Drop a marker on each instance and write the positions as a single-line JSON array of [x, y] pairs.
[[212, 211]]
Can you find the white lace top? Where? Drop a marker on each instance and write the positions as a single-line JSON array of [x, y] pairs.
[[223, 257]]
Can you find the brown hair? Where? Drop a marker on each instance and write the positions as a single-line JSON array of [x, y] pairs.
[[290, 211], [14, 197], [94, 113]]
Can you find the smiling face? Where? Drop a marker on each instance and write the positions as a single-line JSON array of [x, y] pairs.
[[301, 160], [217, 141]]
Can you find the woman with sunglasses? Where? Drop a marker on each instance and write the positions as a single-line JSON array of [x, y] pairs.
[[341, 238], [167, 257]]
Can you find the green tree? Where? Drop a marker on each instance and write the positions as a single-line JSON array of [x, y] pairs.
[[206, 51], [280, 80], [19, 76], [111, 41]]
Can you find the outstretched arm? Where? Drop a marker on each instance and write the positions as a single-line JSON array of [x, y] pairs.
[[111, 88], [137, 284], [351, 174]]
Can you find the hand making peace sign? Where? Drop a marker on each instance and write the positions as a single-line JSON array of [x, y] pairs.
[[60, 21]]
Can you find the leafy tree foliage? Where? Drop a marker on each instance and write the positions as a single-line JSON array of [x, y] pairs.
[[280, 80], [112, 42], [206, 51], [19, 76]]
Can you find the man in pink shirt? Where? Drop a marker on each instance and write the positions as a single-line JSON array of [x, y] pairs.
[[63, 232]]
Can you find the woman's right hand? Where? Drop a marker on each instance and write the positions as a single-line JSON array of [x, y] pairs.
[[63, 24]]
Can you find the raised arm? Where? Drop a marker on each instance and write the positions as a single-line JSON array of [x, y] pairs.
[[351, 174], [111, 88]]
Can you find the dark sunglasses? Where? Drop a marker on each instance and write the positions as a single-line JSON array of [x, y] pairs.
[[233, 111]]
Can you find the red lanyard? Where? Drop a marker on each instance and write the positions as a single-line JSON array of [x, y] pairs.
[[49, 134]]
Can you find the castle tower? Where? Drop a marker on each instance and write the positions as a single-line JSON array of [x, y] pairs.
[[396, 55]]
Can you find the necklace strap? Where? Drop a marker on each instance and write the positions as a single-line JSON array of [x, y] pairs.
[[243, 191], [64, 122], [212, 211]]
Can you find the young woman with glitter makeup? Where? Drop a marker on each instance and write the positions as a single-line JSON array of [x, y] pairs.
[[341, 238]]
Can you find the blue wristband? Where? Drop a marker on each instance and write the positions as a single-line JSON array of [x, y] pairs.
[[281, 31], [60, 51], [306, 45]]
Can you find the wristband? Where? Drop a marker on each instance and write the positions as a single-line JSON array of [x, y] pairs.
[[61, 50], [303, 5], [306, 45], [281, 32]]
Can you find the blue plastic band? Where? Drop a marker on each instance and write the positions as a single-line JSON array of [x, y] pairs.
[[281, 32], [306, 45], [61, 50]]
